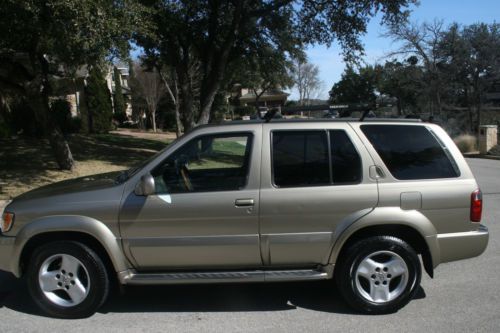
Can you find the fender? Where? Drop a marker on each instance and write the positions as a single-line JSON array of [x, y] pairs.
[[69, 223], [388, 216]]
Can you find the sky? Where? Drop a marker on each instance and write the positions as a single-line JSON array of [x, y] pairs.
[[330, 61]]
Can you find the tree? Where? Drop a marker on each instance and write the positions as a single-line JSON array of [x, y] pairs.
[[266, 71], [41, 41], [422, 41], [151, 89], [470, 59], [355, 86], [306, 80], [99, 102], [119, 105], [209, 36], [401, 80]]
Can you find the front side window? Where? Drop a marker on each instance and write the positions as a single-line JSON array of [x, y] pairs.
[[411, 152], [208, 163], [314, 158]]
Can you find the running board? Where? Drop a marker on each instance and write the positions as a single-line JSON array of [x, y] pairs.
[[134, 278]]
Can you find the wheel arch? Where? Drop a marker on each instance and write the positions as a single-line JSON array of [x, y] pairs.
[[410, 226], [88, 231]]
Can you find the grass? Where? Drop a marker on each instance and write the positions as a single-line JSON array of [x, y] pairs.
[[225, 154], [28, 163]]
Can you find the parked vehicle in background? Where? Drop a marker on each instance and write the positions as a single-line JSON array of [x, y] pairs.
[[353, 201]]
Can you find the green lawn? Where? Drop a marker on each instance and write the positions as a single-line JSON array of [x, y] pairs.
[[28, 163]]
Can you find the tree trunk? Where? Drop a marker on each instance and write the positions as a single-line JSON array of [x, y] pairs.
[[58, 143], [153, 120], [39, 102], [178, 123]]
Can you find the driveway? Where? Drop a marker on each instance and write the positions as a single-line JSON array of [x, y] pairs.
[[464, 296]]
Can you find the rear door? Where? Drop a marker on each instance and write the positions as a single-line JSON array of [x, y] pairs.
[[313, 178]]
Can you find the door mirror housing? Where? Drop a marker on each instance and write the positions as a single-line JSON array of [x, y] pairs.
[[146, 186]]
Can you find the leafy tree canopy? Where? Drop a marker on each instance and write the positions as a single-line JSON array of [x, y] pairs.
[[207, 36]]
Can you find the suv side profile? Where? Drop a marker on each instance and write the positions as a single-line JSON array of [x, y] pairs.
[[353, 201]]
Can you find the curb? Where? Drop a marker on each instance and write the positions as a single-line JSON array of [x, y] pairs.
[[487, 157]]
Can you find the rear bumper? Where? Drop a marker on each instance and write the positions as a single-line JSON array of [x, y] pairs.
[[462, 245]]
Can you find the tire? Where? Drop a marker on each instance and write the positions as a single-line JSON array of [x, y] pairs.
[[67, 279], [378, 275]]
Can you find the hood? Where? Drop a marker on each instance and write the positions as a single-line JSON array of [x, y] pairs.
[[65, 187]]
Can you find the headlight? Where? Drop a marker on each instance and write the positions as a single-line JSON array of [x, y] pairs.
[[7, 221]]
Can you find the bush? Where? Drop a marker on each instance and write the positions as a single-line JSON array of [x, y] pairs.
[[466, 143], [22, 120], [244, 111], [4, 129], [99, 102]]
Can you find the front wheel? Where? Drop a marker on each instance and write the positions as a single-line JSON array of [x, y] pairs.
[[379, 274], [67, 279]]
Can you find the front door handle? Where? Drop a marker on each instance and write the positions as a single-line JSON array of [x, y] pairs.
[[243, 202]]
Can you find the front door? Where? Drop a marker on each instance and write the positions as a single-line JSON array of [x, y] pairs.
[[205, 210]]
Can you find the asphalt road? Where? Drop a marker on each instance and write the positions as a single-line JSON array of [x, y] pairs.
[[464, 296]]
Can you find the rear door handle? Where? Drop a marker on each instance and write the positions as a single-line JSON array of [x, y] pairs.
[[243, 202]]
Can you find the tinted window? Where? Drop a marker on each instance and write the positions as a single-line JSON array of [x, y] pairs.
[[411, 152], [346, 163], [300, 158], [206, 163]]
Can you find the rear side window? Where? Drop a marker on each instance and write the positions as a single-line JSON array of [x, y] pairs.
[[314, 158], [411, 152], [346, 163], [300, 158]]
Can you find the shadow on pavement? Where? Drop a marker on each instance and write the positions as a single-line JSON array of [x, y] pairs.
[[317, 296]]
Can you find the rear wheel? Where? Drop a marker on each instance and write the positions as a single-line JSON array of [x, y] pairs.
[[379, 274], [67, 279]]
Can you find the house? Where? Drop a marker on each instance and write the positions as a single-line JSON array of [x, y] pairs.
[[269, 99], [73, 90], [124, 81]]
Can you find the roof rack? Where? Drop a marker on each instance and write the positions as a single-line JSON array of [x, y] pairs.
[[344, 110]]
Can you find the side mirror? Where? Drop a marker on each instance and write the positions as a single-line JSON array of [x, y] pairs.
[[146, 186]]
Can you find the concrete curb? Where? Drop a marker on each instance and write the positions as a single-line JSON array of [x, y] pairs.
[[487, 157]]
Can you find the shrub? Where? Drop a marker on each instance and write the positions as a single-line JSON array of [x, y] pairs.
[[4, 129], [466, 143], [99, 102]]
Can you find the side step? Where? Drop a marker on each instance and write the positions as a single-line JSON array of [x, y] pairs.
[[134, 278]]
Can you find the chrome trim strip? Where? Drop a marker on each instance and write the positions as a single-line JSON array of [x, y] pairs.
[[481, 230], [194, 240]]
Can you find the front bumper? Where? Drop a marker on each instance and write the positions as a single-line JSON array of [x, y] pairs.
[[462, 245], [6, 252]]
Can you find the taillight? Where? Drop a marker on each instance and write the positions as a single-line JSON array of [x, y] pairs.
[[476, 206]]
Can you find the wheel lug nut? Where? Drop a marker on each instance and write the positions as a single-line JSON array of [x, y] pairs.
[[377, 269], [58, 276], [70, 274], [385, 269], [384, 283], [377, 283], [59, 284], [73, 282], [373, 276], [67, 287], [63, 272], [389, 276]]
